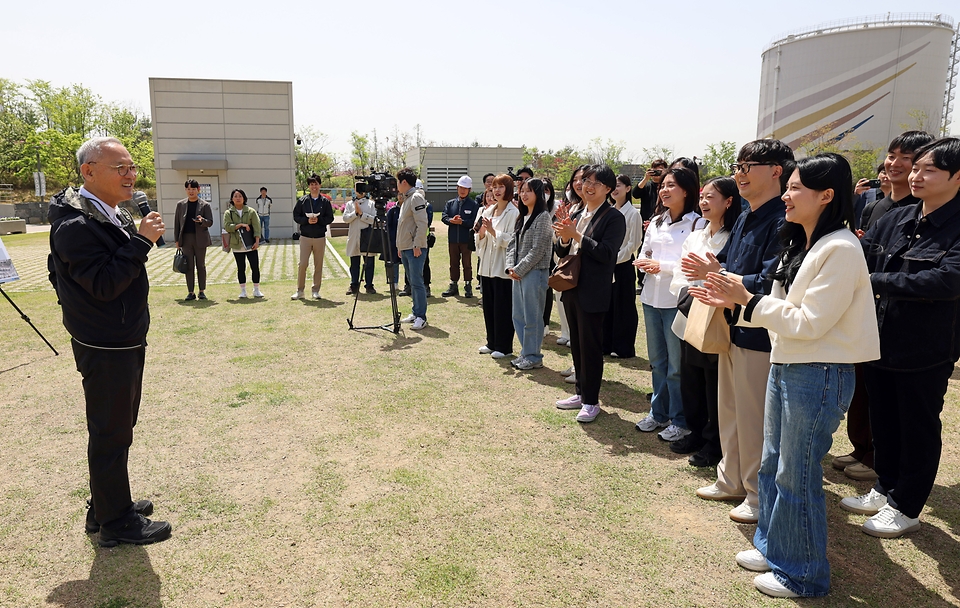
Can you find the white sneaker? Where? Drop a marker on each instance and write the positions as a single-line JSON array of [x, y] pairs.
[[243, 292], [298, 295], [588, 413], [768, 584], [408, 319], [484, 350], [673, 433], [499, 355], [419, 323], [568, 372], [890, 523], [571, 379], [649, 424], [563, 341], [315, 295], [570, 403], [753, 560], [745, 514], [712, 492], [868, 504], [257, 293]]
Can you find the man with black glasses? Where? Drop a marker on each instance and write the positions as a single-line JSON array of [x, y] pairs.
[[752, 253]]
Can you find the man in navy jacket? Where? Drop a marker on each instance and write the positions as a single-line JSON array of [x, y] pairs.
[[459, 214]]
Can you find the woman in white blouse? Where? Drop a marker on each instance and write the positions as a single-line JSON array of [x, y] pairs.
[[493, 235], [660, 256], [720, 207]]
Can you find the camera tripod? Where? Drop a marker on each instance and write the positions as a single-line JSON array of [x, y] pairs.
[[380, 225], [24, 316]]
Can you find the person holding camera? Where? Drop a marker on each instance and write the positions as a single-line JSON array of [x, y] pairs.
[[313, 213], [647, 188], [191, 224], [238, 219], [459, 214], [412, 228], [359, 215]]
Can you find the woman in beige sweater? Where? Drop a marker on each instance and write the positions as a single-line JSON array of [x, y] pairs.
[[821, 321]]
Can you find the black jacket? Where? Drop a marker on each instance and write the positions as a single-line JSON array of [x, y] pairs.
[[466, 208], [872, 212], [98, 273], [915, 272], [307, 205], [598, 257]]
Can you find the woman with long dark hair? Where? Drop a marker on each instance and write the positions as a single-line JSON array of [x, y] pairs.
[[237, 218], [821, 320], [494, 233], [528, 264], [595, 231], [620, 324], [679, 193], [699, 373]]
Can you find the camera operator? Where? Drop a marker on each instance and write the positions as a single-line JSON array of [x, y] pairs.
[[412, 242], [97, 266], [646, 190]]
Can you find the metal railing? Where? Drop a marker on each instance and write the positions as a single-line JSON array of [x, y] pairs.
[[888, 20]]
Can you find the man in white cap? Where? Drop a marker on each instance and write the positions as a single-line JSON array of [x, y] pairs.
[[459, 214]]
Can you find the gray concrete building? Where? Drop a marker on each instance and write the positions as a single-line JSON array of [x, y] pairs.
[[441, 167], [226, 134]]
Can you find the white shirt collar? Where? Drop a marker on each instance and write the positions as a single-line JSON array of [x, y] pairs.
[[109, 212]]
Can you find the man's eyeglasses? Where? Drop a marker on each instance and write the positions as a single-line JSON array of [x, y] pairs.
[[121, 169], [745, 167], [589, 183]]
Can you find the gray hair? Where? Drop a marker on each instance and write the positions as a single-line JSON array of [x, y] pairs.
[[93, 148]]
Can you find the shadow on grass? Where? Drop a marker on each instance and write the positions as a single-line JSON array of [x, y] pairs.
[[197, 303], [321, 303], [622, 439], [27, 364], [119, 577]]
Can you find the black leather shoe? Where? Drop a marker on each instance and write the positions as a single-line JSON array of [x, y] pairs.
[[370, 289], [686, 445], [703, 460], [135, 530], [202, 296], [190, 297], [143, 507]]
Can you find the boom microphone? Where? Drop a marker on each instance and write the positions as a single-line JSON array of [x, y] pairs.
[[140, 200]]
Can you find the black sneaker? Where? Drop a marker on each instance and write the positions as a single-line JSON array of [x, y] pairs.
[[135, 530], [370, 289], [403, 292], [143, 507], [703, 460], [190, 297], [686, 445], [202, 296], [352, 290]]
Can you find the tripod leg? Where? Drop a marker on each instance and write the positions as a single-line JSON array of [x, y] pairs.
[[27, 319]]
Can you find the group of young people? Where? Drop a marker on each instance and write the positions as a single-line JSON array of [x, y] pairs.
[[834, 305]]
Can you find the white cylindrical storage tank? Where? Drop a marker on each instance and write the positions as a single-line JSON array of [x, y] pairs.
[[859, 80]]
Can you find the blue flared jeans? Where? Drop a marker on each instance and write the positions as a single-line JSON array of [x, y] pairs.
[[529, 297], [663, 350], [413, 266], [805, 403]]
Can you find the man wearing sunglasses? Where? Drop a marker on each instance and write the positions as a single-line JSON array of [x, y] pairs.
[[751, 254], [97, 266]]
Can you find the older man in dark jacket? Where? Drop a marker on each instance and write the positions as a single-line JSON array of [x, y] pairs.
[[459, 214], [97, 259]]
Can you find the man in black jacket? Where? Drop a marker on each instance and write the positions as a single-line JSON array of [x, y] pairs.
[[313, 212], [913, 254], [96, 264], [459, 214]]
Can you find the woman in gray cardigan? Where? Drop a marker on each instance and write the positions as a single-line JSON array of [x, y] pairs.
[[528, 264]]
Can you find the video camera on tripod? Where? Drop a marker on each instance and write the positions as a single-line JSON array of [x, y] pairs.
[[378, 186]]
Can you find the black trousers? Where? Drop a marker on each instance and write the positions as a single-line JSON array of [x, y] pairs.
[[241, 257], [620, 324], [112, 381], [498, 313], [586, 346], [858, 422], [905, 418], [368, 262], [699, 379]]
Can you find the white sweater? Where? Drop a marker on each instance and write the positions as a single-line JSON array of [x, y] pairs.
[[829, 315]]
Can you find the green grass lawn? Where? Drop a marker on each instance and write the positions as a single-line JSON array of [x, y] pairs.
[[304, 464]]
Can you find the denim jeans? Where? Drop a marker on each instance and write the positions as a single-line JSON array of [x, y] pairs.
[[529, 296], [265, 226], [413, 266], [804, 406], [663, 349]]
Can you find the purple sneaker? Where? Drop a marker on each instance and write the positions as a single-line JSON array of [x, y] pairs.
[[588, 413], [570, 403]]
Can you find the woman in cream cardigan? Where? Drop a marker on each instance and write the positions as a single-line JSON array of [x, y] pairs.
[[494, 231], [821, 320]]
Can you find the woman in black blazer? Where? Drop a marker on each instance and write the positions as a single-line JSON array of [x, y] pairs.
[[596, 231]]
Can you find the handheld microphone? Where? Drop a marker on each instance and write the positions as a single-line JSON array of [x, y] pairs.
[[140, 200]]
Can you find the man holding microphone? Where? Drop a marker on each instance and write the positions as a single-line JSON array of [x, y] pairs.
[[97, 266]]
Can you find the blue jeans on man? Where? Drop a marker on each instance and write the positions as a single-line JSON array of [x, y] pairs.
[[805, 403], [413, 266], [265, 226], [663, 349], [529, 298]]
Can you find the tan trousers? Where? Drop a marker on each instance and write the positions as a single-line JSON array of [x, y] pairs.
[[742, 393], [310, 245]]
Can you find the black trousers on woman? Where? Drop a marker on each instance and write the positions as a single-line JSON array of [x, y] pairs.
[[698, 389], [620, 324], [498, 313], [586, 346], [241, 257]]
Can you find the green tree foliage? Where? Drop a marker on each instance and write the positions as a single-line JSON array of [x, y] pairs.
[[360, 154], [609, 153], [648, 155], [863, 159], [717, 159], [311, 157]]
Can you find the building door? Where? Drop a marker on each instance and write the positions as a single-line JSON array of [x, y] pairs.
[[210, 192]]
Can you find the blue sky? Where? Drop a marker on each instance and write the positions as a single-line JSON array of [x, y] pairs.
[[533, 73]]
